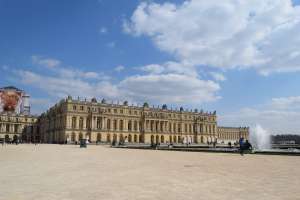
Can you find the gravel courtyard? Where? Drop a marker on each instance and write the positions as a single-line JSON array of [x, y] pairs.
[[65, 172]]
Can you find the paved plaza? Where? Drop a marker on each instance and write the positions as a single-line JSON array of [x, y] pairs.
[[66, 172]]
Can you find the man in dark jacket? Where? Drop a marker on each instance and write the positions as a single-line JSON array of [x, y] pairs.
[[241, 142]]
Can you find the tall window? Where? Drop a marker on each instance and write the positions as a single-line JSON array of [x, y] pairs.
[[73, 122], [7, 128], [135, 125], [121, 125], [98, 123], [81, 122], [108, 124], [16, 128], [115, 124], [151, 125], [129, 125], [88, 123]]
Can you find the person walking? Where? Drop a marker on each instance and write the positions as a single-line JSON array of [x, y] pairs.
[[241, 142]]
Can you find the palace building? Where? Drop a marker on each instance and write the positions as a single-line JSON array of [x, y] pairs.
[[16, 122], [73, 119]]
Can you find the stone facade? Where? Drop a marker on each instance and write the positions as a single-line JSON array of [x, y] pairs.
[[18, 126], [71, 120], [232, 134]]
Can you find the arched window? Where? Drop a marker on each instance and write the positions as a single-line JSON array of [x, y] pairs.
[[135, 138], [108, 138], [157, 139], [170, 139], [162, 139], [80, 136], [121, 139], [115, 138], [99, 137], [73, 137], [129, 138], [175, 139], [73, 122], [152, 139], [141, 138]]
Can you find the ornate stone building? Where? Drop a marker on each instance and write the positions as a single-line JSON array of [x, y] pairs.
[[16, 122], [232, 134], [71, 120]]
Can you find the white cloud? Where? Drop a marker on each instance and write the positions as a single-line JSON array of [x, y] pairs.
[[218, 76], [45, 62], [61, 87], [119, 68], [263, 34], [290, 103], [166, 88], [170, 88], [280, 116], [57, 67], [170, 67]]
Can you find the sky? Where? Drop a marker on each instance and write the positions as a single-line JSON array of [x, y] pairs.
[[240, 58]]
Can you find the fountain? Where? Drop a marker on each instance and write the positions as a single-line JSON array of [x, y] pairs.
[[260, 138], [261, 141]]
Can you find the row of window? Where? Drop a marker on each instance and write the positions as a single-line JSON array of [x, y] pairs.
[[109, 110], [13, 128], [133, 125], [4, 119], [135, 112]]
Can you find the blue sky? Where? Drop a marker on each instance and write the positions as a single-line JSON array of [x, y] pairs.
[[242, 60]]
